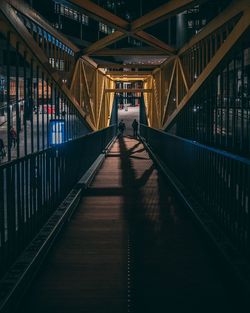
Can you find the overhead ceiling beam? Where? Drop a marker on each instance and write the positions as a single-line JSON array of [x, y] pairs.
[[113, 65], [128, 52], [117, 35], [129, 79], [121, 90], [163, 12], [128, 73]]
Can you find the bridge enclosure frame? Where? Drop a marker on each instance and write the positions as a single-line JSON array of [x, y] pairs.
[[196, 111]]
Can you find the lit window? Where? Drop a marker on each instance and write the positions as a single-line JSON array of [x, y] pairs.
[[72, 14], [57, 64], [61, 65], [85, 19], [105, 28], [190, 24], [52, 62], [62, 10], [57, 7]]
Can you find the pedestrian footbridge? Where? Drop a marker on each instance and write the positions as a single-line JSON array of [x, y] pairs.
[[96, 221]]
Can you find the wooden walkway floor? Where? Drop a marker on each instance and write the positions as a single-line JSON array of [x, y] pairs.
[[130, 247]]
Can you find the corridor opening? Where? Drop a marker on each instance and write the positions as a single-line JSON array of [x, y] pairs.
[[128, 108]]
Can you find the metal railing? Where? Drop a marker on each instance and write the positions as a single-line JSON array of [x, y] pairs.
[[33, 186], [27, 75], [218, 180]]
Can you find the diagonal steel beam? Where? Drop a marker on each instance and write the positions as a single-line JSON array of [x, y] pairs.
[[26, 10], [37, 53], [154, 42], [118, 35], [104, 42], [122, 26], [163, 12], [235, 8], [100, 14], [241, 27]]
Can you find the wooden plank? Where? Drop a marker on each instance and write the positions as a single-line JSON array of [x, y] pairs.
[[126, 247]]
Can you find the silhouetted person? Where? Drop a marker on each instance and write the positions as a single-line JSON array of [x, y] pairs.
[[13, 137], [2, 151], [121, 128], [135, 128], [28, 110]]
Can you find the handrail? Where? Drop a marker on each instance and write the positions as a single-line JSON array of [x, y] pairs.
[[208, 148], [32, 187], [217, 180], [49, 149]]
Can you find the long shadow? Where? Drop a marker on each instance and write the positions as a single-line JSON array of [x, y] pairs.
[[172, 269], [176, 271], [132, 196], [136, 211]]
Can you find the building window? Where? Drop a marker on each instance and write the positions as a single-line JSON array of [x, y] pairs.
[[203, 22], [85, 19], [105, 28], [71, 13], [61, 65], [52, 62]]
